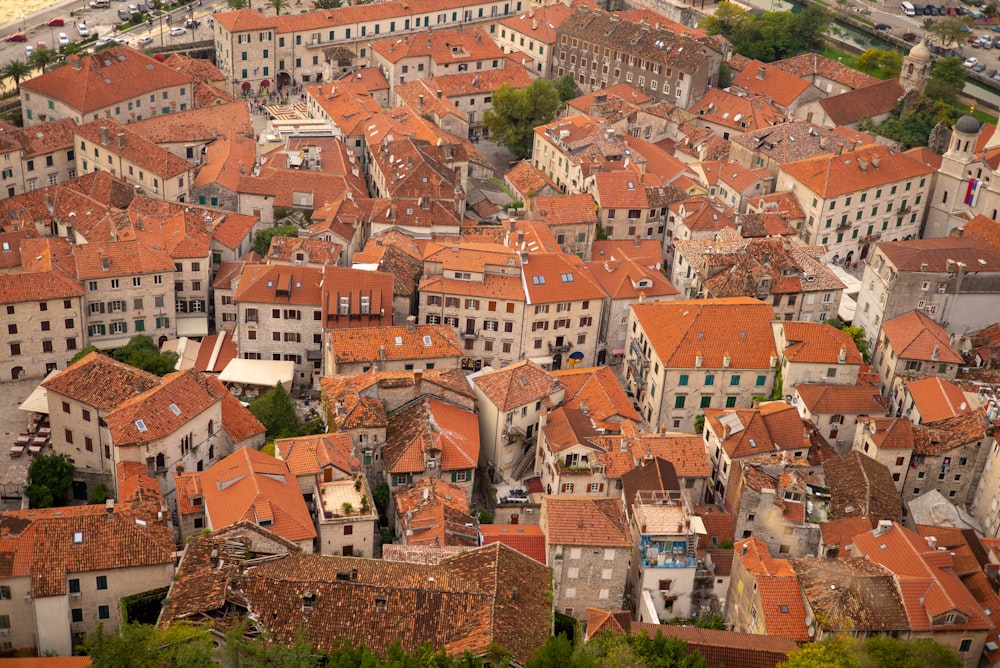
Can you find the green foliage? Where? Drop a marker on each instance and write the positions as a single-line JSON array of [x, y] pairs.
[[858, 334], [950, 30], [268, 448], [557, 652], [566, 87], [725, 544], [142, 646], [911, 123], [699, 423], [143, 353], [327, 4], [16, 70], [49, 480], [42, 59], [877, 652], [706, 620], [516, 113], [768, 36], [83, 353], [484, 516], [99, 494], [381, 496], [238, 4], [276, 411], [881, 63], [636, 650], [602, 234], [262, 239], [949, 72], [278, 5], [776, 391], [725, 75]]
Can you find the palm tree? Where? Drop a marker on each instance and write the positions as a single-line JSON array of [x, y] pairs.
[[16, 70], [42, 59], [278, 5]]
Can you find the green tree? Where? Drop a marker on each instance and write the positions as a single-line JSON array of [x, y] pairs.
[[699, 423], [768, 36], [143, 646], [278, 5], [877, 652], [566, 87], [142, 353], [16, 70], [327, 4], [42, 59], [725, 75], [49, 480], [951, 30], [517, 112], [239, 4], [83, 353], [557, 652], [706, 620], [860, 340], [950, 72], [276, 411], [725, 20], [881, 63], [99, 494], [262, 239]]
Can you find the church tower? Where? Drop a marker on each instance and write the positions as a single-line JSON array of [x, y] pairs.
[[956, 175], [916, 68]]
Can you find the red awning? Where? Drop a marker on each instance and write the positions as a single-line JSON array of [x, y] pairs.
[[265, 83], [246, 85]]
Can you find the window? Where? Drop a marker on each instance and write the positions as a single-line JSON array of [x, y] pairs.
[[706, 401], [102, 582], [74, 586], [965, 645], [679, 400], [709, 379], [103, 612], [761, 381]]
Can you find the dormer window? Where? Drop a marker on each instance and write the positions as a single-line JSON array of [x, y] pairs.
[[78, 538], [196, 500], [381, 603]]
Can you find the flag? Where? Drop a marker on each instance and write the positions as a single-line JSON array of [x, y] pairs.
[[970, 194]]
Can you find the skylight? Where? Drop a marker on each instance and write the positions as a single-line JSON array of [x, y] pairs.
[[427, 340], [399, 340], [77, 537], [538, 280], [567, 278], [140, 425], [753, 443], [174, 409]]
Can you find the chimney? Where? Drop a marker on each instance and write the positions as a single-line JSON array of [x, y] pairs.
[[75, 62], [105, 263], [440, 93], [418, 375], [839, 148], [109, 505], [534, 24], [726, 361], [774, 361], [520, 238], [420, 101], [862, 164], [876, 159], [761, 73], [842, 355], [121, 140], [585, 407], [698, 359], [637, 241], [934, 353], [411, 323], [822, 141], [932, 542], [105, 133]]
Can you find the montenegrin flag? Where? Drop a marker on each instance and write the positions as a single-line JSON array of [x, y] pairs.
[[970, 194]]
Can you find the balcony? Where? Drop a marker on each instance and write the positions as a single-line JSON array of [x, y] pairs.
[[469, 334], [564, 348], [250, 318], [903, 210]]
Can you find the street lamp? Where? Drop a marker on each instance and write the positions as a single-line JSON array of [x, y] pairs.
[[24, 25]]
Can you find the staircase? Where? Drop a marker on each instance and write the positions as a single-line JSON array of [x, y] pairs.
[[524, 464]]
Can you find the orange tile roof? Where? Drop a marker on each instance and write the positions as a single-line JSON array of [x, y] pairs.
[[237, 420], [130, 73], [818, 343], [937, 399], [623, 189], [739, 327], [832, 175], [686, 452], [206, 124], [492, 287], [431, 428], [539, 24], [39, 544], [850, 107], [122, 258], [251, 486], [441, 46], [395, 343], [280, 284], [528, 180], [434, 512], [134, 147], [598, 391], [628, 279], [516, 385], [809, 65], [621, 91], [101, 382], [784, 611], [890, 433], [528, 539], [199, 69], [38, 140], [743, 114], [232, 229], [861, 487], [772, 427], [840, 533], [355, 285], [30, 286], [309, 455], [859, 399], [554, 277], [587, 521], [760, 79], [136, 488], [940, 255], [914, 336], [369, 78], [188, 391], [647, 252]]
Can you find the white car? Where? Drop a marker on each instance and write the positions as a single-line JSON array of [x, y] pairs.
[[28, 50], [63, 39], [120, 40], [177, 31], [104, 41], [83, 30], [143, 41], [970, 62]]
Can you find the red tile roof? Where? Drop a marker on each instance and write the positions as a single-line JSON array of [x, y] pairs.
[[941, 255], [586, 521], [394, 343], [833, 175], [850, 107], [434, 512], [431, 428], [101, 382], [784, 611], [859, 399], [309, 455], [122, 258], [861, 487], [528, 539], [516, 385], [596, 391], [680, 331], [629, 279], [937, 399], [442, 47], [772, 427], [772, 82], [818, 343], [914, 336]]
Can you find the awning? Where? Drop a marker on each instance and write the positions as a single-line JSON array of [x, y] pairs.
[[541, 360], [38, 401], [264, 373], [246, 85], [576, 355], [618, 351], [197, 326], [265, 83]]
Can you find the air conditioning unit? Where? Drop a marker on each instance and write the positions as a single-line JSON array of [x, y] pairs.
[[156, 189], [432, 464], [4, 632], [75, 596], [840, 441], [298, 262]]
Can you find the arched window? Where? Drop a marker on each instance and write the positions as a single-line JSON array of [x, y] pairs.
[[161, 461]]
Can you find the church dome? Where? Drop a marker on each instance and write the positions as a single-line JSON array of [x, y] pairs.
[[920, 51], [967, 124]]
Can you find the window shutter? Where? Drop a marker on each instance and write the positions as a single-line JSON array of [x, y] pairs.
[[454, 476], [601, 487], [562, 488], [102, 307]]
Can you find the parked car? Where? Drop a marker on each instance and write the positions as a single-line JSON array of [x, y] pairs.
[[191, 24], [124, 15], [28, 50], [970, 62], [143, 7], [16, 37], [56, 22], [63, 39], [120, 40], [83, 30], [104, 41], [979, 67], [143, 41], [174, 32], [133, 9], [883, 26]]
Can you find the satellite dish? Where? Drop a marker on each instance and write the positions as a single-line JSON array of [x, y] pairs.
[[812, 631], [962, 406]]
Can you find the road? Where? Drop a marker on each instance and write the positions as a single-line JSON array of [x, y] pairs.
[[101, 22]]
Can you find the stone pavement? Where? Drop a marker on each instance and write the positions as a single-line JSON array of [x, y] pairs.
[[13, 470]]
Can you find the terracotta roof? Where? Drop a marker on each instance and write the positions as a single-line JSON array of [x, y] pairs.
[[237, 420], [832, 175], [798, 139], [914, 336], [122, 258], [596, 391], [115, 75], [647, 252], [429, 428], [42, 544], [592, 522], [486, 596], [739, 327], [309, 455], [369, 78], [651, 475], [134, 147], [434, 512], [861, 487], [985, 228], [784, 611], [840, 533], [818, 343], [781, 87], [280, 285], [890, 433], [685, 451], [516, 385], [628, 279], [101, 382], [850, 107], [941, 255], [394, 343], [30, 286], [937, 399], [539, 24], [528, 180], [39, 140], [442, 47], [205, 124], [854, 594], [938, 437], [814, 66], [719, 527], [199, 69], [858, 399], [772, 427], [742, 114], [528, 539], [252, 487]]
